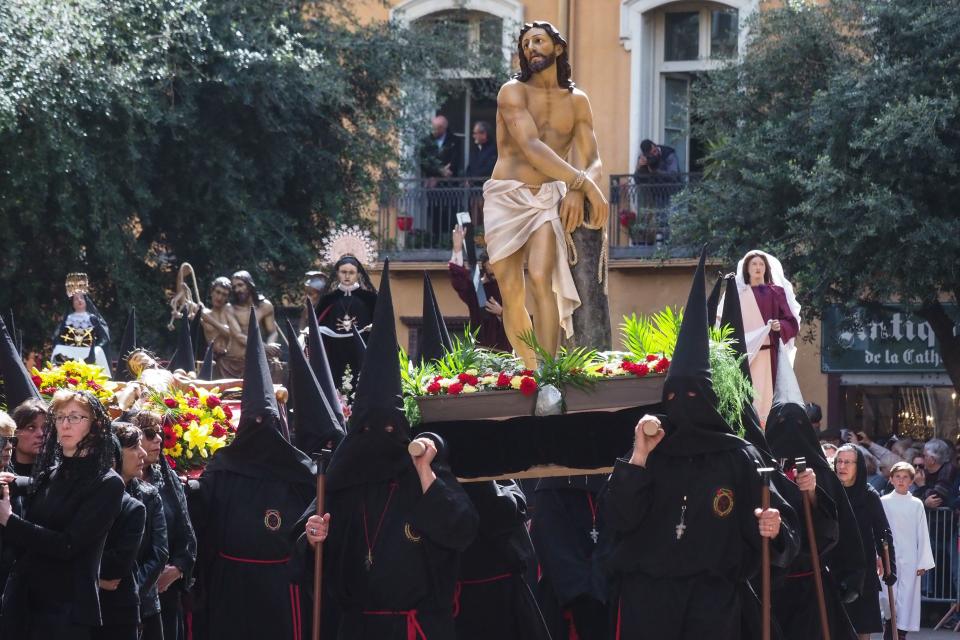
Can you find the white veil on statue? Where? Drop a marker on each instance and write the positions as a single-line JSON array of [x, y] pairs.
[[757, 335]]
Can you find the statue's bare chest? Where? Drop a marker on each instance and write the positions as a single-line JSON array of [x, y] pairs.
[[553, 112]]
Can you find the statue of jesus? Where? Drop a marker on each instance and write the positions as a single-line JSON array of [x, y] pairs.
[[548, 165]]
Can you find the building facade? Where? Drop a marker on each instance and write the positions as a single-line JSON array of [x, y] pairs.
[[639, 60]]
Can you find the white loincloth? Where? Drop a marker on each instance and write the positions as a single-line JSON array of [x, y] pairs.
[[511, 213]]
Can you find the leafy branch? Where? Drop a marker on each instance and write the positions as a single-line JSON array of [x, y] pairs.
[[733, 389]]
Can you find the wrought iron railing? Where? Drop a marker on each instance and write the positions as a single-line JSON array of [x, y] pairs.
[[940, 583], [416, 216], [640, 210]]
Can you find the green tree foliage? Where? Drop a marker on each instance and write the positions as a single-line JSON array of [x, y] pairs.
[[834, 143], [138, 134]]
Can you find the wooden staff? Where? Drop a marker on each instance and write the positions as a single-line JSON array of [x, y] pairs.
[[801, 466], [765, 555], [321, 459], [894, 634]]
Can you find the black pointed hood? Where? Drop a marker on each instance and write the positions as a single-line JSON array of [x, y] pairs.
[[695, 425], [434, 338], [16, 335], [321, 365], [732, 315], [375, 449], [17, 383], [315, 424], [183, 358], [206, 369], [258, 399], [127, 344]]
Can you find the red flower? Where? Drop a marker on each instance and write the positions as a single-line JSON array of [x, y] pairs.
[[170, 402], [651, 357], [171, 462], [433, 387], [93, 385], [627, 217], [213, 401], [48, 391], [455, 389], [37, 380], [662, 366], [218, 431], [525, 372], [169, 438], [193, 402], [528, 386], [73, 382], [503, 380], [466, 378], [640, 370], [227, 411]]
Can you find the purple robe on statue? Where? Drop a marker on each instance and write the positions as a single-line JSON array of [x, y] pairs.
[[772, 303]]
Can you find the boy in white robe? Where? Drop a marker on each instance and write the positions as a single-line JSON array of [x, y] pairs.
[[911, 541]]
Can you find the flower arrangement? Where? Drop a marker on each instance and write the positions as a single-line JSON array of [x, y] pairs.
[[471, 381], [195, 425], [74, 375]]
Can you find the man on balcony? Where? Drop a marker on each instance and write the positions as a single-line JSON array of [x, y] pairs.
[[535, 198], [440, 155]]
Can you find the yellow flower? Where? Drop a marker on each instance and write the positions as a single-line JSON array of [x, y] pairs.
[[469, 388], [515, 381], [218, 413], [471, 372], [177, 429], [177, 450]]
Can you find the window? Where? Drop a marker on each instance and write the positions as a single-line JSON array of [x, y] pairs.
[[723, 33], [689, 38], [682, 36]]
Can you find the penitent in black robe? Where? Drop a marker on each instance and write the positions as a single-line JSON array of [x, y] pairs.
[[249, 498], [790, 436], [691, 586], [340, 312], [492, 598], [414, 540]]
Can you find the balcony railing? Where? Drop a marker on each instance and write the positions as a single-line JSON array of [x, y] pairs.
[[640, 211], [416, 216]]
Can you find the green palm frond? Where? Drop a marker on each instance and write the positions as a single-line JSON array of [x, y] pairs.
[[656, 333]]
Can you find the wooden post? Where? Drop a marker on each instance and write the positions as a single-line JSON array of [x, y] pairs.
[[801, 466], [891, 596], [765, 556], [321, 459]]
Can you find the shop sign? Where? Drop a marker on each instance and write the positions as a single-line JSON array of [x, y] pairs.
[[886, 339]]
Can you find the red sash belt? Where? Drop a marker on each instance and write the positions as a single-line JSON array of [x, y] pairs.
[[461, 583], [802, 574], [414, 630], [253, 560]]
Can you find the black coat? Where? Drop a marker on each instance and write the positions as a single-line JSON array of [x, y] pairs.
[[61, 540], [492, 598], [244, 510], [864, 612], [415, 554], [433, 158], [119, 560], [153, 550], [665, 579], [181, 539], [482, 160]]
